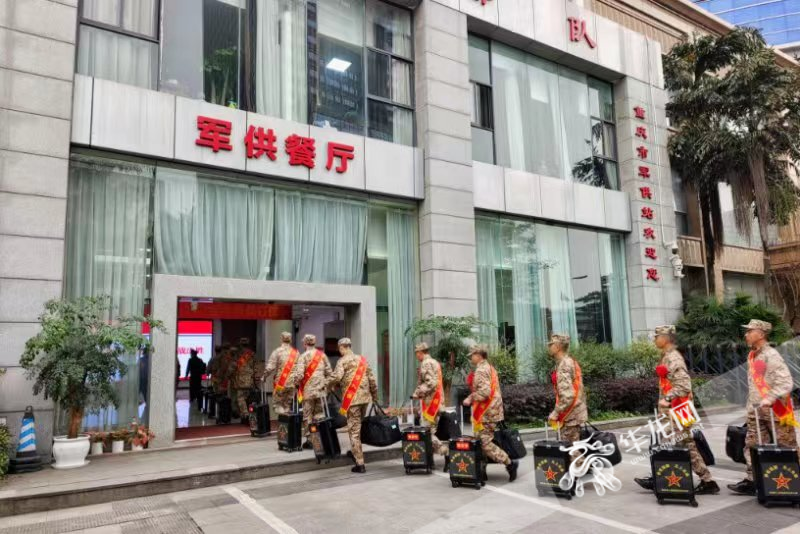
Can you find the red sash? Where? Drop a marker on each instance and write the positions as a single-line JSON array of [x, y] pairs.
[[784, 410], [352, 389], [576, 386], [280, 383], [312, 366], [665, 386], [430, 411], [480, 407]]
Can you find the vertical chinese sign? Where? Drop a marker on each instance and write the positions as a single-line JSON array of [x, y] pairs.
[[645, 194]]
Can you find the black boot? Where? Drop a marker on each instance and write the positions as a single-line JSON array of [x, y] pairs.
[[745, 487], [446, 463], [707, 488], [647, 483], [359, 469], [512, 470]]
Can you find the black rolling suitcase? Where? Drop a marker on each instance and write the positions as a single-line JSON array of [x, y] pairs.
[[258, 417], [510, 441], [290, 429], [324, 439], [467, 466], [448, 427], [671, 468], [211, 405], [224, 410], [734, 442], [776, 470], [550, 465], [417, 447]]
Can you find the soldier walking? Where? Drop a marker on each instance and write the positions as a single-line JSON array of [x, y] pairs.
[[243, 377], [770, 384], [311, 374], [213, 368], [570, 411], [674, 389], [487, 408], [281, 363], [431, 392], [354, 375]]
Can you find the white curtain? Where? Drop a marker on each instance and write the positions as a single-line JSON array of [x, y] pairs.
[[489, 258], [576, 127], [525, 283], [280, 66], [212, 228], [615, 284], [403, 293], [106, 254], [133, 15], [389, 28], [554, 280], [319, 239], [116, 57]]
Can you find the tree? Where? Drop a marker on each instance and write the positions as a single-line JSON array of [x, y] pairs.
[[76, 356], [737, 113]]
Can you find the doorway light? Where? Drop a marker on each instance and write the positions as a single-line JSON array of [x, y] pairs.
[[339, 65]]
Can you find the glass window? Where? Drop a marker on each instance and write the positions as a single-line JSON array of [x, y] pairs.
[[117, 57], [601, 100], [389, 28], [575, 126], [479, 64], [389, 78], [136, 16], [482, 145], [391, 123]]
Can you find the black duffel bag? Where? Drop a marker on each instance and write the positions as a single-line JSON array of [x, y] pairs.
[[734, 442], [334, 405], [510, 441], [379, 429], [702, 446], [591, 431], [448, 426]]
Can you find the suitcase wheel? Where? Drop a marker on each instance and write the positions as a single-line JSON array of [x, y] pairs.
[[660, 500], [693, 503], [478, 486], [454, 483], [280, 447], [408, 471], [428, 471]]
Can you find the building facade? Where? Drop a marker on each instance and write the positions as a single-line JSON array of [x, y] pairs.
[[505, 159], [778, 20]]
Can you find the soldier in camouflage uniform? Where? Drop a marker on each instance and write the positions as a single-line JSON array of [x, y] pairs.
[[213, 369], [367, 391], [242, 379], [225, 369], [429, 376], [281, 400], [675, 383], [570, 410], [766, 365], [315, 388], [486, 387]]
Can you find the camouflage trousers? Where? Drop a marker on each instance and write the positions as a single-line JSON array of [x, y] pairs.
[[282, 401], [490, 449], [355, 414], [786, 435], [438, 446], [241, 400], [312, 409], [698, 464]]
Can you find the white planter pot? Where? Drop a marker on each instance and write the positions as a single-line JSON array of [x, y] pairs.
[[97, 448], [117, 445], [137, 447], [70, 453]]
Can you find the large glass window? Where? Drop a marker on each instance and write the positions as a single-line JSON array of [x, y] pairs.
[[547, 119], [536, 279]]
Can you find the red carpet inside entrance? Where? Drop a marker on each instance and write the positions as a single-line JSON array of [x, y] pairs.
[[212, 431]]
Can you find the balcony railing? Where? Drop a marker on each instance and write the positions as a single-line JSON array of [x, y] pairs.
[[735, 259], [785, 256]]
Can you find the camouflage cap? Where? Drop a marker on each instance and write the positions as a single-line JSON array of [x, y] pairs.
[[479, 348], [345, 342], [665, 330], [309, 339], [756, 324], [286, 337], [563, 339], [244, 341], [422, 347]]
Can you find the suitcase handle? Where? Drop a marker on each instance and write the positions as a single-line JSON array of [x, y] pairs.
[[756, 408]]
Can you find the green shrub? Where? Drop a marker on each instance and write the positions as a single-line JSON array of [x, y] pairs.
[[505, 362], [708, 324], [641, 358], [598, 361], [5, 450]]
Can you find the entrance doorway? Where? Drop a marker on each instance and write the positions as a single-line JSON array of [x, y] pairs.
[[215, 328]]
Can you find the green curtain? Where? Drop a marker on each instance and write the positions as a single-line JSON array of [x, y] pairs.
[[106, 254], [319, 239], [401, 239], [207, 227]]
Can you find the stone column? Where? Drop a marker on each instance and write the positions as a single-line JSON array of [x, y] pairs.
[[447, 215], [36, 72]]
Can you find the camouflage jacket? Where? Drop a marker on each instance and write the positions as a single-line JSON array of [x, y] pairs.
[[777, 376], [678, 377], [317, 385], [277, 360], [213, 368], [226, 366], [243, 366], [566, 370], [343, 375], [428, 380], [481, 390]]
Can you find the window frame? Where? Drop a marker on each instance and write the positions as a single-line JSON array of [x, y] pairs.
[[474, 85], [604, 123]]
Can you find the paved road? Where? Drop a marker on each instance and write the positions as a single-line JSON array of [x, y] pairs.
[[385, 500]]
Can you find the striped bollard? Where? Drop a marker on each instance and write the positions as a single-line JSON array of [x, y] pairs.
[[27, 460]]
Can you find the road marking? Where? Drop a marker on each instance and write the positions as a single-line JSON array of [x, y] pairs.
[[273, 521], [563, 509]]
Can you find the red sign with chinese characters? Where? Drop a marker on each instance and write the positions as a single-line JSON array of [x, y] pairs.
[[650, 253], [642, 151], [577, 32], [644, 171], [646, 193], [641, 131], [652, 274], [647, 213], [649, 233], [638, 112], [259, 141]]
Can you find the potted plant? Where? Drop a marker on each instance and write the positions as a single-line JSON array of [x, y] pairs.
[[75, 360], [98, 440], [118, 439], [140, 437]]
